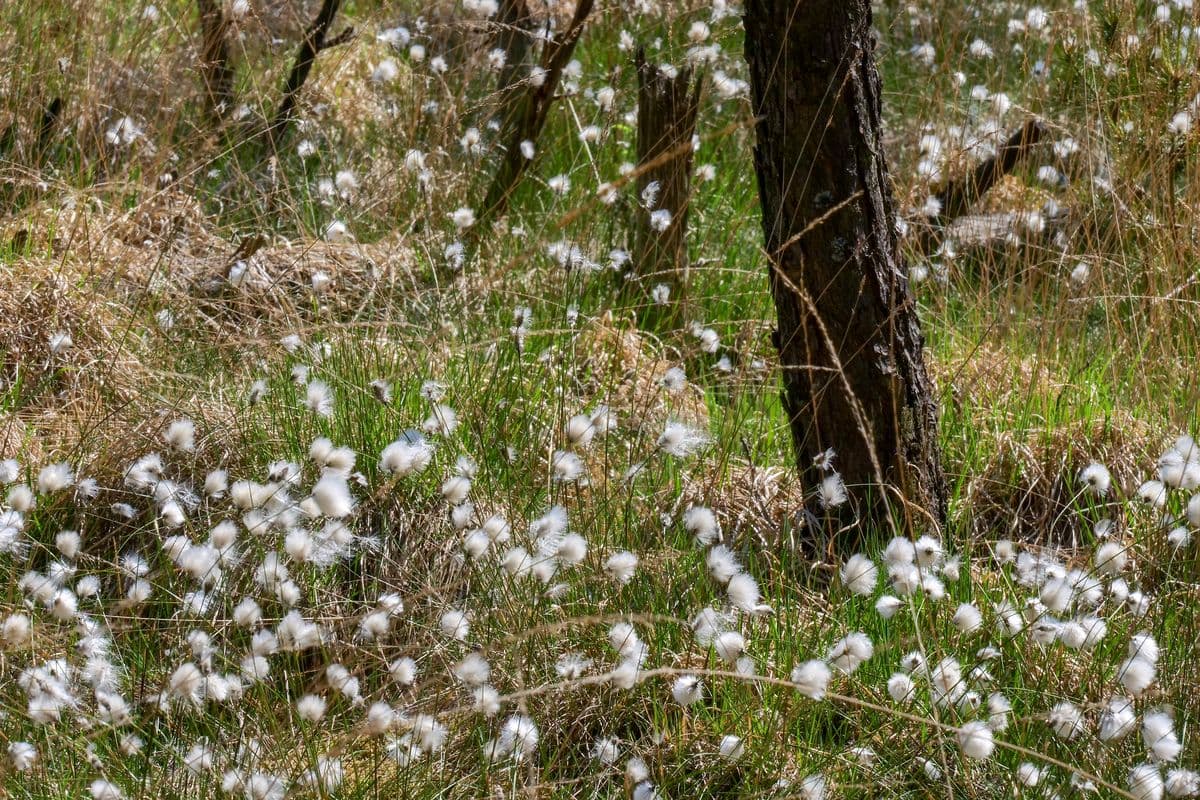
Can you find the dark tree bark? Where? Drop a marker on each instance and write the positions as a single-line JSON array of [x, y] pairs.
[[849, 342], [314, 42], [513, 35], [216, 64], [528, 116], [667, 109]]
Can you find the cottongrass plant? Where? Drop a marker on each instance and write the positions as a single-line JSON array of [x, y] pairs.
[[319, 619], [228, 628]]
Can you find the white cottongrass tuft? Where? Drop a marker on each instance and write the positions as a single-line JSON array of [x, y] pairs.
[[318, 398], [1158, 735], [22, 756], [731, 747], [455, 625], [620, 566], [832, 491], [687, 690], [1146, 782], [976, 741], [406, 456], [681, 441], [332, 496], [311, 708], [901, 688], [887, 606], [1066, 720], [859, 574], [702, 523], [848, 654], [812, 678], [1117, 719], [968, 618], [54, 478], [1182, 783], [1136, 674], [1096, 478]]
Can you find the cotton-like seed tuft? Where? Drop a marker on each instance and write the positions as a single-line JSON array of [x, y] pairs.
[[976, 741], [332, 495], [1146, 782], [812, 678], [859, 574]]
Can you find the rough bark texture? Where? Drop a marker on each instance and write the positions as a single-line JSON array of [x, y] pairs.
[[530, 108], [666, 122], [957, 195], [850, 346], [216, 65]]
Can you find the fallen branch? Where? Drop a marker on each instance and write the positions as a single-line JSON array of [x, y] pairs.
[[314, 42], [958, 195]]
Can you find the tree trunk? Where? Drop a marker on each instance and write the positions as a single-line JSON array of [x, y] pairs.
[[849, 343], [667, 109], [216, 65], [513, 35], [528, 115], [313, 43]]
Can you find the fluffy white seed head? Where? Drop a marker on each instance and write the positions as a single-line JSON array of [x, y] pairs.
[[812, 678], [1111, 558], [332, 496], [901, 688], [847, 654], [1146, 782], [455, 625], [859, 574], [968, 618], [976, 741], [620, 566], [887, 606], [181, 436], [687, 690], [702, 524], [54, 478], [1158, 735]]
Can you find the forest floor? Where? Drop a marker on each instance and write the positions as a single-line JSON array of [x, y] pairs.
[[311, 483]]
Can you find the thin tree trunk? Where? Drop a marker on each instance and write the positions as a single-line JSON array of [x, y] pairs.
[[667, 109], [513, 34], [529, 115], [849, 342], [216, 65], [314, 42]]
